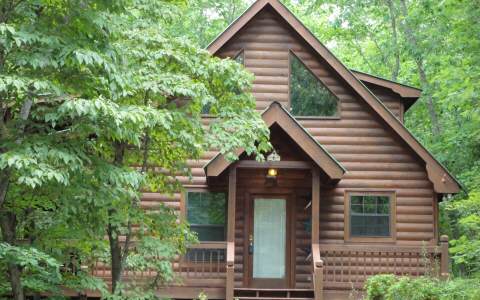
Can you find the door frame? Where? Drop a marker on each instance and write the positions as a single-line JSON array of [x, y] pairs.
[[270, 193]]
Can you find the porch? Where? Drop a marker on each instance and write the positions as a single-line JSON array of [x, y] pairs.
[[314, 267]]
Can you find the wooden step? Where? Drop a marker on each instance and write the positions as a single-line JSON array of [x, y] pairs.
[[273, 294], [271, 298], [271, 289]]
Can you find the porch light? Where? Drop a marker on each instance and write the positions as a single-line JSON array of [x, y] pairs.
[[272, 173]]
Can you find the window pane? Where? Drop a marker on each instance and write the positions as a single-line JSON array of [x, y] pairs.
[[356, 199], [206, 214], [369, 216], [357, 208], [309, 97]]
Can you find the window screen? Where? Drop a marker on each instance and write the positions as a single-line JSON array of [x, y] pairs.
[[206, 215], [369, 216], [308, 95]]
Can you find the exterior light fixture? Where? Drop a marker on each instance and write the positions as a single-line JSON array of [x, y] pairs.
[[273, 156], [272, 173]]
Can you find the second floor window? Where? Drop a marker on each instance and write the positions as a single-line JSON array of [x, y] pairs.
[[308, 95], [206, 214]]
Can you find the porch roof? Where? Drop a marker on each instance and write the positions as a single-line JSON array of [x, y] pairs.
[[277, 114]]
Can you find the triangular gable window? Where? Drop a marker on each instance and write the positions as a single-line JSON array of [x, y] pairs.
[[308, 95], [240, 57]]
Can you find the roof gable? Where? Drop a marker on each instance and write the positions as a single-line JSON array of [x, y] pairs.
[[276, 114], [442, 180], [407, 93]]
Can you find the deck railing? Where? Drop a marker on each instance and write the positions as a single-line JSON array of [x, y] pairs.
[[348, 266]]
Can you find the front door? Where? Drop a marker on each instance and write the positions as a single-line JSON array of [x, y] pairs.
[[268, 243]]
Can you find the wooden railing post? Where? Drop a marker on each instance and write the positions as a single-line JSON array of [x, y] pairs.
[[318, 280], [444, 269], [230, 271], [317, 272]]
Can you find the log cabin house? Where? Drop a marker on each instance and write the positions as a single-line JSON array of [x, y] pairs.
[[348, 191]]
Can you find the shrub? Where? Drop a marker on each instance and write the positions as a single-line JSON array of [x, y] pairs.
[[377, 286], [391, 287]]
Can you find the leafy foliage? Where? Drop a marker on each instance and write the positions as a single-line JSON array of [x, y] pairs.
[[391, 287]]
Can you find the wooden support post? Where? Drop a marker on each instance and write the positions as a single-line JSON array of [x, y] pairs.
[[230, 267], [232, 190], [316, 260], [315, 206], [444, 268]]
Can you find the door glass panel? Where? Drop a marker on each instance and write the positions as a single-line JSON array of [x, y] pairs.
[[269, 238]]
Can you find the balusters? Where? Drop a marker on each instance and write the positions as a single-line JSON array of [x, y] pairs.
[[349, 266], [203, 263], [334, 269], [341, 265], [365, 266]]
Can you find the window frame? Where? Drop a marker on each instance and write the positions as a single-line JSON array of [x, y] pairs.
[[184, 209], [338, 114], [369, 239]]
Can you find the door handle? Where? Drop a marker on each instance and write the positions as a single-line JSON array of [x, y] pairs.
[[250, 244]]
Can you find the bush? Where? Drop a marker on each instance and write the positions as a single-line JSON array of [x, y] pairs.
[[391, 287]]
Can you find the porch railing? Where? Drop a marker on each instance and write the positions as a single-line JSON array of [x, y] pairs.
[[204, 264], [348, 266]]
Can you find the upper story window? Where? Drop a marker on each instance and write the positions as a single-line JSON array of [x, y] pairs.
[[206, 214], [240, 57], [369, 215], [308, 95]]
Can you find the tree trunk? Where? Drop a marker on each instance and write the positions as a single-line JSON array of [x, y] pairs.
[[419, 60], [8, 225], [393, 24], [8, 220], [115, 257], [5, 176], [436, 127], [4, 181]]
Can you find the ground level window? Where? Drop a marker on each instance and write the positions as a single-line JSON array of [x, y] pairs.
[[206, 214], [369, 215]]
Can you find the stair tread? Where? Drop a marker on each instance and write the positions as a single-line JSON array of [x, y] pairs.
[[273, 290], [272, 298]]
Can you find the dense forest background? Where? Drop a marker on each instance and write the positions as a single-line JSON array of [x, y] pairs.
[[430, 44], [94, 95]]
